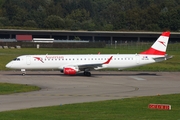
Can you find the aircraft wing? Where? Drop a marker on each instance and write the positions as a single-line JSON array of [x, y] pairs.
[[91, 66]]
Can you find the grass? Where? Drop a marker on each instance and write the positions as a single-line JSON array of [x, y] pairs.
[[125, 109], [7, 88]]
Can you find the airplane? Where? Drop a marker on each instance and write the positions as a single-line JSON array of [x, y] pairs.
[[73, 64]]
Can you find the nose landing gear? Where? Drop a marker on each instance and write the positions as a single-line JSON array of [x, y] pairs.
[[23, 72]]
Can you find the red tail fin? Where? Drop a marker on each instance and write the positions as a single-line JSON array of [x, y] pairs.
[[160, 46]]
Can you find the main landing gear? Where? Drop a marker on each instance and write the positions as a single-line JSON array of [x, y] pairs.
[[23, 72], [87, 73]]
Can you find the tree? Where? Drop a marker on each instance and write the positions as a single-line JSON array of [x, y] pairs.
[[4, 21], [30, 23], [88, 25], [175, 19], [54, 22], [79, 15], [149, 15], [164, 19], [39, 16]]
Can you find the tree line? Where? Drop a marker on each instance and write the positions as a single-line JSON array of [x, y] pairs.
[[127, 15]]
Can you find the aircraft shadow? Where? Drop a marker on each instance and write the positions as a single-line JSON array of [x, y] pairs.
[[130, 74], [82, 75]]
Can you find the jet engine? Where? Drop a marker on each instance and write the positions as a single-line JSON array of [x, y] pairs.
[[70, 70]]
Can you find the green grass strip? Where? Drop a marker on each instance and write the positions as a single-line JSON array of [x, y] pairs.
[[7, 88], [123, 109]]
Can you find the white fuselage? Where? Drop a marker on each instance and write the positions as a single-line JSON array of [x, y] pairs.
[[119, 61]]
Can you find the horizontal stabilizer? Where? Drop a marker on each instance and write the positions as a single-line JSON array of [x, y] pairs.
[[158, 59], [168, 56]]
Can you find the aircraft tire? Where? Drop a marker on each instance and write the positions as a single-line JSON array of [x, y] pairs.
[[87, 73]]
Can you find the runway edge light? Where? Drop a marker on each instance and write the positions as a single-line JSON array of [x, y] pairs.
[[160, 106]]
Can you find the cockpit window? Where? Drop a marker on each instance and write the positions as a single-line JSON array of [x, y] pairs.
[[16, 59]]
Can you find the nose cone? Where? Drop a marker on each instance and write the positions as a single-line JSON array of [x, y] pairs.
[[8, 65]]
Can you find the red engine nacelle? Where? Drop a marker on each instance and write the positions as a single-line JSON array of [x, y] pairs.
[[70, 70]]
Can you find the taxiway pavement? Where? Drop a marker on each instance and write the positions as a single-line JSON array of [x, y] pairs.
[[58, 89]]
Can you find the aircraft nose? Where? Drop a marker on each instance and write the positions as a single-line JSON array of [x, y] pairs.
[[8, 65]]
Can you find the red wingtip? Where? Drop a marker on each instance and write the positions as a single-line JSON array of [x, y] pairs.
[[167, 34]]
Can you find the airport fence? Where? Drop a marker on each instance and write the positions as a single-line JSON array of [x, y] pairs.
[[120, 45], [53, 45], [174, 46]]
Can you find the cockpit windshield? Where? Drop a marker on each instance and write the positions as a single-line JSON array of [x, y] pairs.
[[16, 59]]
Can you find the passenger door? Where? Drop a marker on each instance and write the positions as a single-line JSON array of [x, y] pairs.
[[28, 60]]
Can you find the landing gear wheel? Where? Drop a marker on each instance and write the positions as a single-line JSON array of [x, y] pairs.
[[23, 72], [87, 73]]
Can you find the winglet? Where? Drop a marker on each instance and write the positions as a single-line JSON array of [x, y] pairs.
[[160, 46], [107, 62]]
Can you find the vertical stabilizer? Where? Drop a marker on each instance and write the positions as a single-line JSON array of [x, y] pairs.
[[160, 46]]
